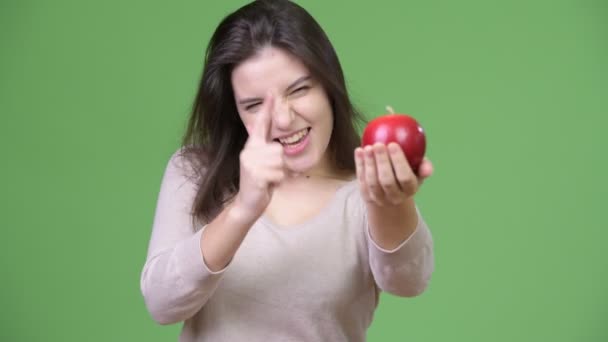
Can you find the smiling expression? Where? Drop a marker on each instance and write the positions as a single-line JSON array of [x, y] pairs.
[[302, 118]]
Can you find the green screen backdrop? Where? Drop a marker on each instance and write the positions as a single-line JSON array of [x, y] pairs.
[[513, 96]]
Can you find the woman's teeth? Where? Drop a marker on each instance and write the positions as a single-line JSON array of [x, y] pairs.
[[296, 137]]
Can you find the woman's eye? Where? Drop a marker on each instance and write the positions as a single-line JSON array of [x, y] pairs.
[[300, 90], [252, 106]]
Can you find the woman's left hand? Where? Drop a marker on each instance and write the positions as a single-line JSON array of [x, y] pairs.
[[385, 176]]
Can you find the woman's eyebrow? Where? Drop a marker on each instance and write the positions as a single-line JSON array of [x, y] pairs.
[[298, 82]]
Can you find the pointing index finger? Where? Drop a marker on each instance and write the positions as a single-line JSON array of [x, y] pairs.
[[263, 121]]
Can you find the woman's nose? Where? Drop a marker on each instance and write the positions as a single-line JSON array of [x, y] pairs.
[[283, 114]]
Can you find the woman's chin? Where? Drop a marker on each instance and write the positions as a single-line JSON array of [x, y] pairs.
[[300, 168], [311, 162], [296, 172]]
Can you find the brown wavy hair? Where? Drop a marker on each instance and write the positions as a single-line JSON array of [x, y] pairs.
[[215, 134]]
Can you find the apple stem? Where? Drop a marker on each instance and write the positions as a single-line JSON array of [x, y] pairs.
[[390, 109]]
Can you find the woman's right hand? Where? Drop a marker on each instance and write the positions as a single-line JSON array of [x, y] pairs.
[[261, 164]]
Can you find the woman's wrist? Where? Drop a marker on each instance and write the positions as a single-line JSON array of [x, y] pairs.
[[241, 214]]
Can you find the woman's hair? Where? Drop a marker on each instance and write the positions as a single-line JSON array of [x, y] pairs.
[[215, 134]]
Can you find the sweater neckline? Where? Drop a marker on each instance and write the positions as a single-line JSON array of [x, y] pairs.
[[335, 199]]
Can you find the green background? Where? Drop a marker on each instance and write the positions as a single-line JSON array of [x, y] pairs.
[[513, 95]]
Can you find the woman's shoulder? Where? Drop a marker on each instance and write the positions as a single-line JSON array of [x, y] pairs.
[[350, 195]]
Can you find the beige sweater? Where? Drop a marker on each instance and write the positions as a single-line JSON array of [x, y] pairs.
[[318, 281]]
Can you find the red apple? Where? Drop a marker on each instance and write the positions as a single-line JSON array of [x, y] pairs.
[[402, 129]]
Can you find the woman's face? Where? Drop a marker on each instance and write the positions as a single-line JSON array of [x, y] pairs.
[[301, 119]]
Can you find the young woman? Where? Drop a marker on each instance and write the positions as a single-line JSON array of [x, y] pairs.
[[272, 224]]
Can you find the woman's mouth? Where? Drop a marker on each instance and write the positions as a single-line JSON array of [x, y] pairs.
[[295, 138], [296, 142]]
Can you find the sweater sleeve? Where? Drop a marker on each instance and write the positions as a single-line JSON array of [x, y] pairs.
[[175, 281], [405, 270]]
